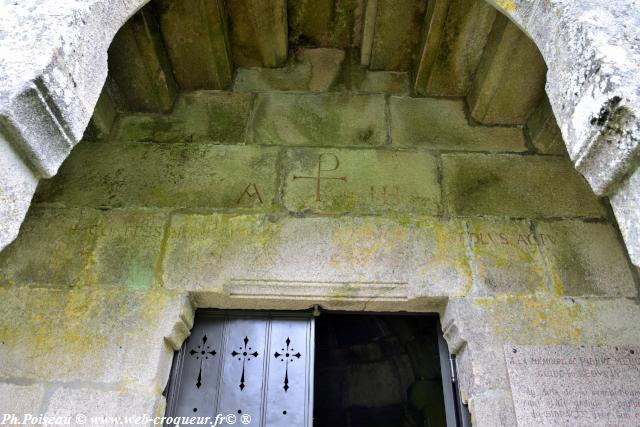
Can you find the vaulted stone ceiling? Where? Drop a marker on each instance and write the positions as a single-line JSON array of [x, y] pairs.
[[447, 48]]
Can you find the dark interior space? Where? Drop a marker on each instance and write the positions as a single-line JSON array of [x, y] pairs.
[[377, 370]]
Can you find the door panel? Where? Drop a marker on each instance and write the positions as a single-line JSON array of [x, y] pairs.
[[243, 372], [290, 368], [244, 363]]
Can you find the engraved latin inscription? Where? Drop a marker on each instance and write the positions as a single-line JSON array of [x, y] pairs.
[[574, 386]]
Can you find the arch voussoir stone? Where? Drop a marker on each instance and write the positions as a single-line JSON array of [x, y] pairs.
[[592, 50]]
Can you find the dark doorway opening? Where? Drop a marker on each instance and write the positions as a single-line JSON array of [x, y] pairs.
[[378, 370]]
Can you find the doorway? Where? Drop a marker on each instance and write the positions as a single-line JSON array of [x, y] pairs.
[[295, 369], [378, 370]]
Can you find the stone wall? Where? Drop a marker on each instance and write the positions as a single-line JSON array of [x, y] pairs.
[[265, 199], [54, 64]]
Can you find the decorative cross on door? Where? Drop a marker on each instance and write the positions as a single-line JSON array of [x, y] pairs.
[[225, 356], [287, 356], [202, 353], [244, 352]]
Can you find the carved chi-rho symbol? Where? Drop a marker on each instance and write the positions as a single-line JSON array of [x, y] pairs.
[[244, 352], [287, 356], [323, 161], [201, 353]]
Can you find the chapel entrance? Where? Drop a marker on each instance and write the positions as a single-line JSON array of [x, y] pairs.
[[292, 369], [383, 370]]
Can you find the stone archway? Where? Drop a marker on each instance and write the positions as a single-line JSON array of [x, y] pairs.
[[47, 107], [52, 76]]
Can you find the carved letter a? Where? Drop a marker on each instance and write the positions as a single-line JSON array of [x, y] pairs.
[[251, 194]]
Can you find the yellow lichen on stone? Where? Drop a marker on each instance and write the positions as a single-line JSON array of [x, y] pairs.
[[360, 246], [546, 321], [507, 5]]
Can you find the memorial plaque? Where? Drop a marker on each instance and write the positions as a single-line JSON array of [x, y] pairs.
[[575, 386]]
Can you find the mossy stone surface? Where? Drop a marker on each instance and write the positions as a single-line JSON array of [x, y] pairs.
[[360, 181], [517, 186], [53, 248], [258, 31], [453, 46], [89, 335], [127, 248], [197, 117], [328, 23], [196, 39], [314, 70], [306, 258], [442, 124], [507, 258], [545, 134], [586, 259], [164, 175], [319, 120], [392, 82], [398, 24]]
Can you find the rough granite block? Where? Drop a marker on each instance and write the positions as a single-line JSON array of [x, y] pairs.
[[53, 248], [507, 258], [87, 334], [442, 124], [360, 181], [586, 259], [517, 186], [165, 175], [335, 259], [319, 120], [197, 117]]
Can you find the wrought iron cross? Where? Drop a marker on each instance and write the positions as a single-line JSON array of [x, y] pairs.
[[245, 353], [287, 356], [201, 353]]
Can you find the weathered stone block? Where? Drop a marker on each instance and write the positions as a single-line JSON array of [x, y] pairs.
[[586, 259], [328, 119], [314, 70], [165, 175], [441, 123], [509, 82], [507, 258], [103, 405], [492, 408], [545, 134], [323, 22], [92, 335], [17, 185], [53, 248], [360, 181], [21, 399], [393, 82], [517, 186], [34, 131], [197, 117], [195, 33], [315, 259], [626, 205], [138, 64], [456, 34], [259, 32], [392, 49], [127, 249], [104, 115]]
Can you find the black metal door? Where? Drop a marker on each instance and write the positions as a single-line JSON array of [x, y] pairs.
[[250, 368]]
